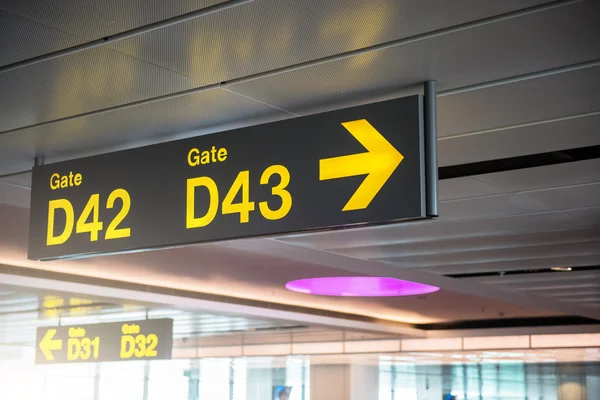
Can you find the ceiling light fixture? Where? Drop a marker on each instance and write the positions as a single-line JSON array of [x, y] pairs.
[[359, 286], [561, 269]]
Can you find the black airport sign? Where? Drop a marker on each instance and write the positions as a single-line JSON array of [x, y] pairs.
[[344, 168]]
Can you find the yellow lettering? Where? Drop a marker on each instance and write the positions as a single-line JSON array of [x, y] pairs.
[[241, 183], [86, 350], [127, 346], [96, 345], [73, 349], [222, 154], [205, 157], [113, 232], [278, 190], [61, 182], [191, 221], [193, 159], [140, 350], [53, 205], [93, 227], [76, 332], [196, 157], [152, 341], [127, 329], [54, 181]]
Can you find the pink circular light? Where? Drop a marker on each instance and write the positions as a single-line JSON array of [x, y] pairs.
[[359, 286]]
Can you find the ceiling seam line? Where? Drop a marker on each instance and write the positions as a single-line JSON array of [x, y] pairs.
[[136, 103], [492, 235], [154, 64], [233, 3], [469, 250], [127, 34], [526, 245], [224, 85], [558, 187], [475, 177], [84, 39], [14, 185], [446, 222], [41, 24], [406, 40], [396, 261], [522, 125], [524, 77], [258, 101], [306, 64]]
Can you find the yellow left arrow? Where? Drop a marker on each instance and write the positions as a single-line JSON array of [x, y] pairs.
[[379, 163], [48, 344]]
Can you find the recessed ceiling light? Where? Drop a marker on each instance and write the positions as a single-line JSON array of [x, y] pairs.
[[359, 286], [561, 269]]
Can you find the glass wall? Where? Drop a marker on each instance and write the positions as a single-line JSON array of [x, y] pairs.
[[478, 381], [204, 379], [255, 379]]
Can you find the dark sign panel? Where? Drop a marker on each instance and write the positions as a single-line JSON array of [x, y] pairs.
[[361, 165], [150, 339]]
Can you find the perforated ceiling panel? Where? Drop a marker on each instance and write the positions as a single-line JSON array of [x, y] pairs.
[[532, 42], [194, 113], [80, 83], [21, 38], [268, 34], [445, 230], [539, 138], [582, 287], [547, 97], [486, 243], [94, 19], [561, 175]]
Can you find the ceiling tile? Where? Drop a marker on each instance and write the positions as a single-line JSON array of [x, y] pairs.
[[531, 100], [448, 245], [573, 173], [80, 83], [440, 229], [542, 262], [521, 254], [575, 275], [566, 293], [269, 34], [461, 188], [566, 197], [21, 180], [490, 206], [21, 39], [97, 19], [558, 285], [534, 42], [533, 139], [14, 195], [193, 114]]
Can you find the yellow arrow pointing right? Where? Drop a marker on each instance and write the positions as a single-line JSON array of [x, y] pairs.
[[378, 163], [47, 344]]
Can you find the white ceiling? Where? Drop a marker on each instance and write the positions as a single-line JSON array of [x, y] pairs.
[[515, 78]]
